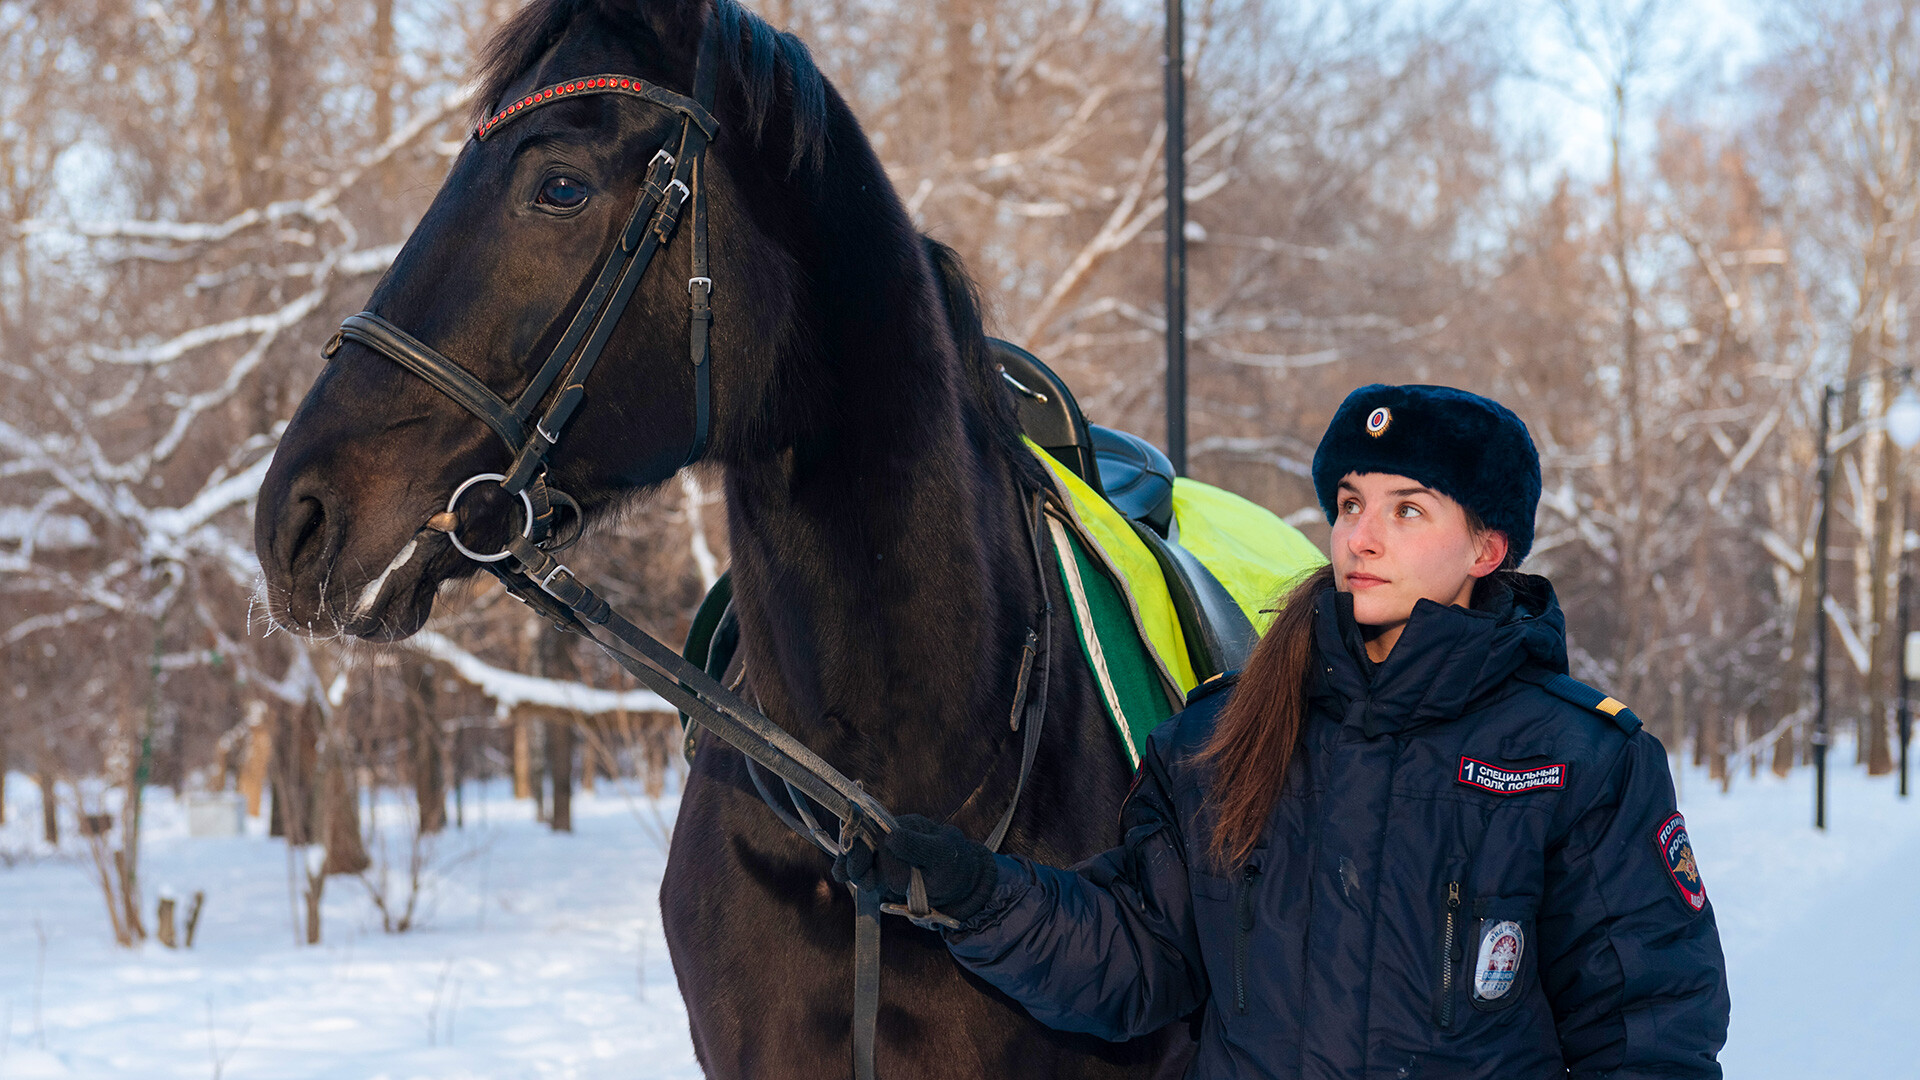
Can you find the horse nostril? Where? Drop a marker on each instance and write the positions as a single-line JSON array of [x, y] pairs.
[[307, 525]]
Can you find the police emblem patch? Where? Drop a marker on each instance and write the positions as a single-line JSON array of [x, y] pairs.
[[1377, 421], [1476, 773], [1501, 946], [1677, 850]]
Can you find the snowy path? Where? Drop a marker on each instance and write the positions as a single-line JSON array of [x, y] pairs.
[[542, 954], [1822, 933]]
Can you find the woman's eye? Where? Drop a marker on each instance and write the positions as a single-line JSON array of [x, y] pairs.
[[562, 192], [1350, 506], [1408, 510]]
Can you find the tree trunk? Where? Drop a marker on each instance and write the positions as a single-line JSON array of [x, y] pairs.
[[537, 767], [296, 754], [253, 774], [429, 757], [590, 743], [551, 659], [382, 70], [522, 757], [49, 809], [560, 771], [1888, 540], [346, 851]]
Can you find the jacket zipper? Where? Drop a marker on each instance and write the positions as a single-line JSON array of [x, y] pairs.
[[1449, 936], [1243, 930]]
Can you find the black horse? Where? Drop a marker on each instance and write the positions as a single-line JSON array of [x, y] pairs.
[[876, 489]]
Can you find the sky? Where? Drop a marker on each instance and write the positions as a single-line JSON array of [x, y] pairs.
[[1706, 41]]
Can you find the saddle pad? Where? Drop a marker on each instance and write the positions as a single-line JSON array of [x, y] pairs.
[[1130, 682], [1246, 546], [1123, 614]]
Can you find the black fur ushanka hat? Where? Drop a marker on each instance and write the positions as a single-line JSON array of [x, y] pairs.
[[1469, 448]]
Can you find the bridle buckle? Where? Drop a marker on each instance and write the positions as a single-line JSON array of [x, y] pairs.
[[705, 283]]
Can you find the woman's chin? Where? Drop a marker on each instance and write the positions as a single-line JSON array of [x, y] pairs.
[[1379, 611]]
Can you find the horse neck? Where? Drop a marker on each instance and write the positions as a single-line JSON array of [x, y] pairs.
[[883, 567]]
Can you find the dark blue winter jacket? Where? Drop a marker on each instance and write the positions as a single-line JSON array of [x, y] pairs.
[[1467, 875]]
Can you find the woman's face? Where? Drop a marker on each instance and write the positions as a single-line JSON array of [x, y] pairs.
[[1396, 541]]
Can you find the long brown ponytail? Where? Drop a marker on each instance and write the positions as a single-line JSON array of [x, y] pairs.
[[1259, 730]]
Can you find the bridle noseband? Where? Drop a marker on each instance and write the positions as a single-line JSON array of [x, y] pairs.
[[673, 180]]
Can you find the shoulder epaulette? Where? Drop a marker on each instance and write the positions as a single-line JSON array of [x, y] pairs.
[[1568, 688], [1212, 686]]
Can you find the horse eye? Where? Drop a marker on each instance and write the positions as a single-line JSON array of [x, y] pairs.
[[562, 192]]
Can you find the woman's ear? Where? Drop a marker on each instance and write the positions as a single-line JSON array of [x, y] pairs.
[[1493, 552]]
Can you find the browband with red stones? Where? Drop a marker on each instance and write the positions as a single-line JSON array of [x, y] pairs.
[[602, 84]]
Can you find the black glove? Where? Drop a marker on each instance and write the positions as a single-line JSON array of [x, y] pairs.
[[959, 872]]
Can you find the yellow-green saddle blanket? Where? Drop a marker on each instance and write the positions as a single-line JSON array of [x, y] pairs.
[[1123, 612]]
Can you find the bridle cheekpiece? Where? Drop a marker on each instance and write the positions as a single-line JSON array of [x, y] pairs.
[[531, 425]]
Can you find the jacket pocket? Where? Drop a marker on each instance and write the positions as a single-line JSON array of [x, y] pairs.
[[1242, 932], [1447, 953], [1501, 951]]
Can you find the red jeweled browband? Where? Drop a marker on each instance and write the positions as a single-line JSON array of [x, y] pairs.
[[597, 84]]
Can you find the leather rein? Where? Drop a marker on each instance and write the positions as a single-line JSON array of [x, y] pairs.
[[526, 565]]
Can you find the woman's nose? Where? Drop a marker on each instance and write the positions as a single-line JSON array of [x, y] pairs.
[[1364, 539]]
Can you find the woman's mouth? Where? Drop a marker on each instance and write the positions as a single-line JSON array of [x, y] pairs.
[[1357, 582]]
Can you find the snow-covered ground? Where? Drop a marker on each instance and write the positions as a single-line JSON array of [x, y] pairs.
[[541, 954]]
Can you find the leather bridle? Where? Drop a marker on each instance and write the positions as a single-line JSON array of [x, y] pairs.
[[526, 565], [673, 181]]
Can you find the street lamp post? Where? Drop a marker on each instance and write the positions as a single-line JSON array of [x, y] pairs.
[[1820, 615], [1903, 427], [1175, 59]]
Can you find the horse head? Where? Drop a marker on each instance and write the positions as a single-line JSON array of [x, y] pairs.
[[493, 282]]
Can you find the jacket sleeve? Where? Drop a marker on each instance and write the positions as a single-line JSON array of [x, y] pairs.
[[1108, 947], [1631, 965]]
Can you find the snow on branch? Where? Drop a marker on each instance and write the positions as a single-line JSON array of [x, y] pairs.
[[233, 491], [1850, 638], [179, 345], [317, 206], [509, 689]]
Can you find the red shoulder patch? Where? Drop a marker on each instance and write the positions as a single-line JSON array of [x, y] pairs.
[[1671, 839]]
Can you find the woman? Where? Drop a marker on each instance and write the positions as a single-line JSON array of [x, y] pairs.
[[1403, 843]]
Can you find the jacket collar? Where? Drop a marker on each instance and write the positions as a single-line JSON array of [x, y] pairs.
[[1447, 658]]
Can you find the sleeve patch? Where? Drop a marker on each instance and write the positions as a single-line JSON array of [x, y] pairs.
[[1677, 851], [1475, 773]]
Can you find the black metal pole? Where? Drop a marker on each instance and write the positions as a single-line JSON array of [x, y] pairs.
[[1174, 60], [1906, 685], [1820, 621]]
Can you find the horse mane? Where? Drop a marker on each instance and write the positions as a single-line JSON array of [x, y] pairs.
[[765, 61], [960, 298]]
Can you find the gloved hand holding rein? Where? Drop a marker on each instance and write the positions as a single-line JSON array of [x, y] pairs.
[[959, 872]]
